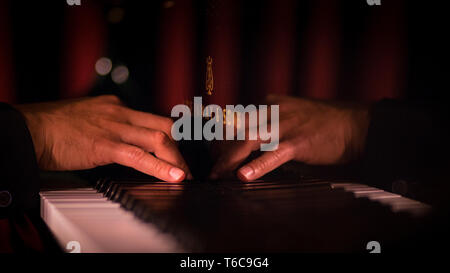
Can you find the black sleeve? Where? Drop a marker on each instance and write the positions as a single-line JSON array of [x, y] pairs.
[[19, 175], [407, 146]]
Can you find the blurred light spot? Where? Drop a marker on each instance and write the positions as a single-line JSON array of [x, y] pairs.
[[120, 74], [103, 66], [169, 4], [115, 15]]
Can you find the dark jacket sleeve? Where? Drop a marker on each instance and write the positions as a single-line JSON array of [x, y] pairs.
[[19, 176], [407, 148]]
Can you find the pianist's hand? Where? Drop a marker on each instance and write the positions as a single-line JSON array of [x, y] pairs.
[[313, 132], [90, 132]]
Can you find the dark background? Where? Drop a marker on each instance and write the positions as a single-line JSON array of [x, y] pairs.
[[320, 49]]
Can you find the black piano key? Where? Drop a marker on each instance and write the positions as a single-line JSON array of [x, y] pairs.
[[237, 216], [101, 184]]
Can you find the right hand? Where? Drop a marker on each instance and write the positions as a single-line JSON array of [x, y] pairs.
[[313, 132], [90, 132]]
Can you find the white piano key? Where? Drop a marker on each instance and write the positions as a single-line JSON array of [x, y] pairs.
[[395, 202], [99, 225]]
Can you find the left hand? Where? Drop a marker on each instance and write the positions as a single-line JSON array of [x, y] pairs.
[[89, 132]]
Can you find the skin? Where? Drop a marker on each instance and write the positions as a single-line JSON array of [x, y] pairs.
[[90, 132], [313, 132]]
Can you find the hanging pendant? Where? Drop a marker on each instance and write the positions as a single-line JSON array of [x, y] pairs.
[[209, 76]]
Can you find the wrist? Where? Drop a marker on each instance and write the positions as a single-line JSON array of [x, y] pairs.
[[359, 126], [35, 128]]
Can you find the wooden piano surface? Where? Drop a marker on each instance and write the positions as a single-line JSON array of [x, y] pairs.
[[262, 216]]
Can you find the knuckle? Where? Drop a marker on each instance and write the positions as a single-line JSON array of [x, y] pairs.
[[277, 155], [285, 152], [135, 154], [261, 164], [290, 150], [270, 97], [110, 109], [158, 167], [100, 122], [161, 138], [168, 122], [111, 98], [100, 148]]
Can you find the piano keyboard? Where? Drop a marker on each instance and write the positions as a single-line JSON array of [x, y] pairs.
[[98, 225], [145, 216]]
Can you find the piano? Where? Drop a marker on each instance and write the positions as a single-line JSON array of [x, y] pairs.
[[284, 215]]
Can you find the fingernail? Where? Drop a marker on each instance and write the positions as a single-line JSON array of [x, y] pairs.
[[176, 173], [247, 172]]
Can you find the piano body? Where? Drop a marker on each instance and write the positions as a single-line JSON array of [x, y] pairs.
[[292, 215]]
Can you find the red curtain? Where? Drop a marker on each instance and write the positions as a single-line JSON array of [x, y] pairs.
[[6, 64], [380, 62], [278, 48], [175, 56], [84, 42]]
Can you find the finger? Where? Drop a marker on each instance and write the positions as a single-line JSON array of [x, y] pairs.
[[265, 163], [113, 99], [138, 159], [238, 151], [287, 104], [273, 98], [149, 120], [153, 141], [232, 158]]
